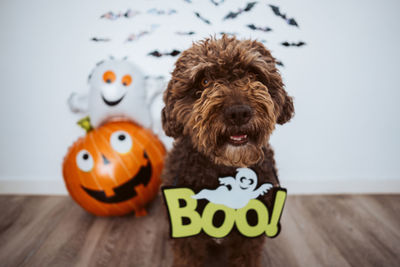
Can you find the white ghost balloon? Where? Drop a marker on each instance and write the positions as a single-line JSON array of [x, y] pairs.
[[117, 90]]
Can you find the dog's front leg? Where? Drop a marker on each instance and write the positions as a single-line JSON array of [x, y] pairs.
[[189, 252], [244, 251]]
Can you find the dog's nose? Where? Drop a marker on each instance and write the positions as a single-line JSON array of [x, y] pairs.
[[238, 114]]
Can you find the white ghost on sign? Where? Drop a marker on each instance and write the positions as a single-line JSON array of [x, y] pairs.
[[241, 192]]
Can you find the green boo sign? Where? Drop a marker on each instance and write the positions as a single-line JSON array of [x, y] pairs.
[[267, 223]]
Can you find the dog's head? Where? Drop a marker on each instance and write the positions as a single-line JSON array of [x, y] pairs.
[[226, 95]]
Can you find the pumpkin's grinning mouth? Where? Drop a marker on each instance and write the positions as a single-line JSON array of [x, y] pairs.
[[127, 190]]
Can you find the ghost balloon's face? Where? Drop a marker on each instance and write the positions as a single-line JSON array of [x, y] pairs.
[[112, 80], [117, 90], [246, 179]]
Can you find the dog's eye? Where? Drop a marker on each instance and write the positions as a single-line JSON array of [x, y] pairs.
[[205, 82], [253, 76]]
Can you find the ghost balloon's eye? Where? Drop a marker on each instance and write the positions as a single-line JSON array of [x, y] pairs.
[[109, 76], [84, 160], [121, 141], [127, 80]]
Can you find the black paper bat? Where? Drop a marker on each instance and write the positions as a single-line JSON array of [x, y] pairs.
[[99, 39], [217, 2], [155, 53], [185, 33], [257, 28], [133, 37], [202, 18], [136, 36], [232, 15], [161, 12], [298, 44], [290, 21], [228, 33], [130, 13], [113, 16]]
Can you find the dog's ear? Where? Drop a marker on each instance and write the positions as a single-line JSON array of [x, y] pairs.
[[170, 125], [284, 109], [287, 108]]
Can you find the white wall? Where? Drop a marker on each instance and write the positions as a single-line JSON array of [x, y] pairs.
[[344, 138]]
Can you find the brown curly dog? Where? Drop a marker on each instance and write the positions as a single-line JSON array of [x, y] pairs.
[[221, 105]]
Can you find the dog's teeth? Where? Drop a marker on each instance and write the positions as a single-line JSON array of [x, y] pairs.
[[238, 137]]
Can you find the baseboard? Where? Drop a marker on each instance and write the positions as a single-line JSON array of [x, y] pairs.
[[379, 186], [294, 187], [33, 187]]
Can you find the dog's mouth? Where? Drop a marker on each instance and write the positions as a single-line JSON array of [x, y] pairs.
[[239, 139]]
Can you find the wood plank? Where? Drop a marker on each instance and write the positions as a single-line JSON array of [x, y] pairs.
[[28, 226], [298, 244], [336, 230]]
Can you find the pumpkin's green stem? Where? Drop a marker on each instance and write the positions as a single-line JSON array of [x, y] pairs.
[[85, 124]]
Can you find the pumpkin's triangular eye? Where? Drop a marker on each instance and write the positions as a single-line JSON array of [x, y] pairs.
[[105, 160]]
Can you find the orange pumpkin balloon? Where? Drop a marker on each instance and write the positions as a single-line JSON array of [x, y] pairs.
[[115, 169]]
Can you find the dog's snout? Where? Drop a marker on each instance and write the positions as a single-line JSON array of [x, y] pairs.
[[238, 114]]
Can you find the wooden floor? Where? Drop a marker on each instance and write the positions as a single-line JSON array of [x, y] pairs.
[[361, 230]]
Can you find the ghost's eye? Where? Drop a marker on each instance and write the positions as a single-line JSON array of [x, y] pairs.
[[242, 179], [109, 76], [127, 80], [84, 160], [121, 141], [251, 181]]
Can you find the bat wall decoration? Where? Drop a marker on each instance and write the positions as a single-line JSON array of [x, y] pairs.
[[232, 15], [136, 36], [202, 18], [229, 33], [156, 53], [277, 12], [298, 44], [217, 2], [100, 39], [114, 16], [257, 28], [185, 33], [156, 11], [180, 31]]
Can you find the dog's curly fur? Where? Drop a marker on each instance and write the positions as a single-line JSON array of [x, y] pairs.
[[211, 76]]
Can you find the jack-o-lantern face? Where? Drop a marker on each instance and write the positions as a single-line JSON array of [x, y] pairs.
[[114, 169]]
